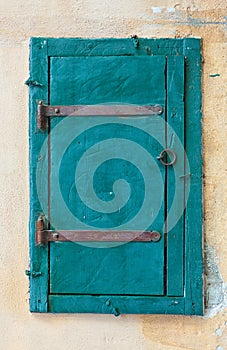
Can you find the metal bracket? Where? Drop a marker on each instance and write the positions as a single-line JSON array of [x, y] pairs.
[[44, 236], [33, 273], [39, 230], [135, 40], [45, 111], [31, 82]]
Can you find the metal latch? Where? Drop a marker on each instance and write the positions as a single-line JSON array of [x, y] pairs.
[[46, 111], [167, 152], [44, 236]]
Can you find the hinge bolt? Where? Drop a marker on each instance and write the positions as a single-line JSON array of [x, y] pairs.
[[33, 274], [156, 236], [36, 273], [160, 110]]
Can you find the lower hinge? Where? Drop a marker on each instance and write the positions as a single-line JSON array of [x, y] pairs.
[[44, 236]]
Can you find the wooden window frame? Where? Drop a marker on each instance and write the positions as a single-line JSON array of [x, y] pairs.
[[41, 49]]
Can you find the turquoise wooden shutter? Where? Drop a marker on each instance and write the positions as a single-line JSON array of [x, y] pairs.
[[111, 173]]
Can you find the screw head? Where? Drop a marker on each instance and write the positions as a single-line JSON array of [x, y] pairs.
[[160, 110], [55, 235], [155, 236], [57, 110]]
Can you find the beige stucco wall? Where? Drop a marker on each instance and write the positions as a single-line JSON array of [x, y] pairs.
[[107, 18]]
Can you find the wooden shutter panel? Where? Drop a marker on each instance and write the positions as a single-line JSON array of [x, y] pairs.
[[108, 173]]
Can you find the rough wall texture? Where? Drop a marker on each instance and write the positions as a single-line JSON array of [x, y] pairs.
[[101, 18]]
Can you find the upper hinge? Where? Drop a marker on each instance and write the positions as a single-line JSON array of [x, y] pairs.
[[46, 111], [41, 117]]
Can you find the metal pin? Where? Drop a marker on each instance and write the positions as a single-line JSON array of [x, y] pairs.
[[55, 235]]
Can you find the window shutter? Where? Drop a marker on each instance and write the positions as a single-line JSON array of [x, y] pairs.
[[116, 199]]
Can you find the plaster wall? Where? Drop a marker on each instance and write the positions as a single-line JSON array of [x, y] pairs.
[[20, 20]]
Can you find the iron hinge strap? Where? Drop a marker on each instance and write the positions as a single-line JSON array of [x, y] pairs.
[[44, 236], [45, 111]]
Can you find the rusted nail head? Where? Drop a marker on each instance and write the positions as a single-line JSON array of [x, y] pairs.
[[156, 236]]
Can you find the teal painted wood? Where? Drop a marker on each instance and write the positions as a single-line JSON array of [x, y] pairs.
[[193, 300], [194, 209], [94, 80], [62, 47], [116, 305], [134, 268], [175, 176], [74, 47], [38, 255]]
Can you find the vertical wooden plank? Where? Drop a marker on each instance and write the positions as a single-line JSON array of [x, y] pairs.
[[175, 176], [38, 255], [194, 209]]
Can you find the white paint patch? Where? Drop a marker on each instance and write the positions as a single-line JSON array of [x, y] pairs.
[[216, 288], [170, 9], [218, 332], [157, 9], [160, 9]]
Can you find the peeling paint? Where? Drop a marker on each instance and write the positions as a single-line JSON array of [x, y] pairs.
[[170, 9], [157, 9], [215, 288], [218, 332]]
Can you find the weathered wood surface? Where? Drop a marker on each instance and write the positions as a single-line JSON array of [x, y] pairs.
[[181, 257]]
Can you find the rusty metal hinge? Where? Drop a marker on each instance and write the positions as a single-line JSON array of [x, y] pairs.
[[46, 111], [44, 236]]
